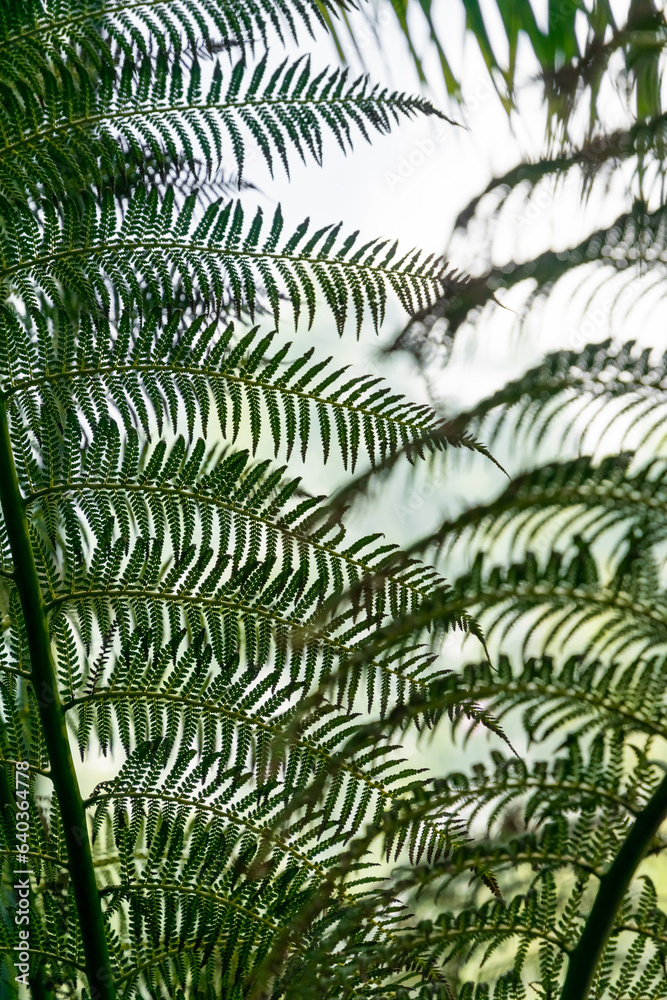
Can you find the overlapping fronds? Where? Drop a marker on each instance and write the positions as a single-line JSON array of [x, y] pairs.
[[36, 29], [94, 127], [622, 156], [559, 694], [565, 566], [196, 615], [540, 933], [223, 551], [224, 850], [567, 578], [175, 260], [632, 248], [578, 51], [249, 379], [569, 844], [78, 77], [553, 834]]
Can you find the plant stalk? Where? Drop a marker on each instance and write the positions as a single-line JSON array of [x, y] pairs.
[[585, 957], [52, 717]]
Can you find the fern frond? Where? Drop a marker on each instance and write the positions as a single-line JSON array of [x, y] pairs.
[[250, 383], [596, 157], [589, 802], [578, 781], [596, 695], [580, 385], [33, 28], [275, 111], [633, 246], [176, 261], [568, 595]]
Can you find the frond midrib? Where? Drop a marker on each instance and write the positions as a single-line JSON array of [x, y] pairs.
[[504, 928], [46, 954], [113, 116], [532, 689], [531, 783], [176, 888], [204, 500], [96, 249], [521, 857], [322, 637], [607, 601], [50, 859], [212, 375], [600, 494]]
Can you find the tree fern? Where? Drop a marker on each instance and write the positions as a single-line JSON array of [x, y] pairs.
[[171, 595], [565, 572], [183, 605]]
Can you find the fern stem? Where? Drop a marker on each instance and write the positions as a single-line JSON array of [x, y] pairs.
[[165, 245], [260, 103], [38, 988], [63, 775], [584, 959]]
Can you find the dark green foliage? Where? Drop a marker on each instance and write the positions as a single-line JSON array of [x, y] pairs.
[[180, 262], [576, 597], [173, 597], [164, 596], [565, 565]]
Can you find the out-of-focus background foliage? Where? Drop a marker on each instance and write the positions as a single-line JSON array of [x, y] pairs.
[[552, 198]]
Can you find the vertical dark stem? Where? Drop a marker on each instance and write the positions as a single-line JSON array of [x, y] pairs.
[[585, 958], [38, 988], [7, 803], [52, 717]]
